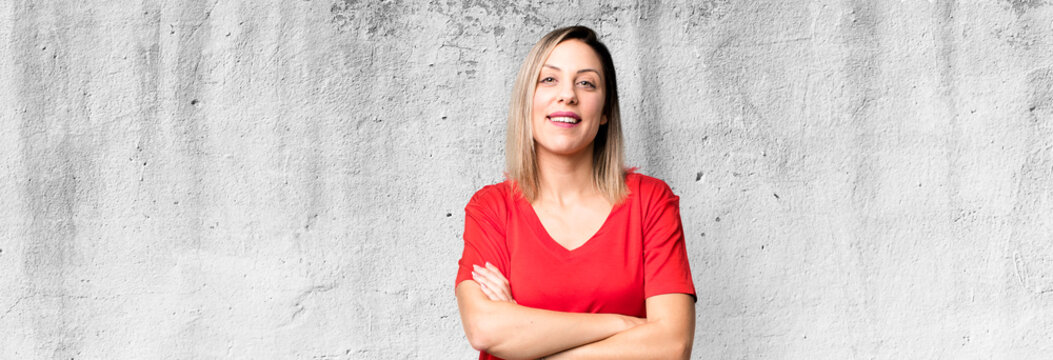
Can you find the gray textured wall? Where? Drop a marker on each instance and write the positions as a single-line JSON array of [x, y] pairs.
[[225, 179]]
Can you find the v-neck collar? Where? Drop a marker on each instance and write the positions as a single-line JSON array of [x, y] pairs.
[[551, 243]]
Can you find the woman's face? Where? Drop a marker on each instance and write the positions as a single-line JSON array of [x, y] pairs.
[[568, 99]]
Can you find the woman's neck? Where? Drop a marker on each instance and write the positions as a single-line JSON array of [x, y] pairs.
[[565, 178]]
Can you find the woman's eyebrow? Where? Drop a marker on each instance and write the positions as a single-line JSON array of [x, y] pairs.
[[579, 71]]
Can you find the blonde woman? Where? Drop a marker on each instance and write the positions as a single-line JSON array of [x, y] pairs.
[[573, 256]]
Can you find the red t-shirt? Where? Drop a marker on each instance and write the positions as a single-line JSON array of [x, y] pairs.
[[637, 253]]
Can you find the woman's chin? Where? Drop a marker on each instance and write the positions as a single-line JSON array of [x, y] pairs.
[[564, 151]]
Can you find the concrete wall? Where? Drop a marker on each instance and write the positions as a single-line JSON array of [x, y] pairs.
[[241, 179]]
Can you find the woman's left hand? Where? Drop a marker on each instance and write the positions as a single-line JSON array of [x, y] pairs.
[[493, 283]]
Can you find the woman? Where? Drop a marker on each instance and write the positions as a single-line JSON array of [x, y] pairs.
[[573, 256]]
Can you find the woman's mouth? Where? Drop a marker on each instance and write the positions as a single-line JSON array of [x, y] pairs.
[[564, 121]]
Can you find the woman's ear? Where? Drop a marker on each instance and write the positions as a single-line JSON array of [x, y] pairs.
[[603, 120]]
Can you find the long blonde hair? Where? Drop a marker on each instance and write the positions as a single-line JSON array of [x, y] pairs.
[[608, 151]]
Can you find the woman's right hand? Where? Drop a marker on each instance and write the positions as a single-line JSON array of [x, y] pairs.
[[493, 283]]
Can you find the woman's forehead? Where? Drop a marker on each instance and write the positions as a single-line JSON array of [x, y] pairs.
[[573, 55]]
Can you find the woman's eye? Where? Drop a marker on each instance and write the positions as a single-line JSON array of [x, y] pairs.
[[587, 83], [547, 80]]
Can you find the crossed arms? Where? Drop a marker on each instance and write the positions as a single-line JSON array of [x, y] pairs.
[[495, 324]]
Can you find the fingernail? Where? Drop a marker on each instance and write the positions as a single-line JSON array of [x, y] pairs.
[[488, 263], [474, 275], [476, 267]]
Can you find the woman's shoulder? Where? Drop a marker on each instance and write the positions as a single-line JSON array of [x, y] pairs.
[[647, 186], [494, 197]]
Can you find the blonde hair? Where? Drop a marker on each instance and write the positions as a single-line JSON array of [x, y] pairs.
[[608, 151]]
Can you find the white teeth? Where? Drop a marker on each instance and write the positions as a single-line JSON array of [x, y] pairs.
[[568, 120]]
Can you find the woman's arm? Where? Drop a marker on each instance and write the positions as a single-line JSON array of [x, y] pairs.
[[668, 334], [513, 331]]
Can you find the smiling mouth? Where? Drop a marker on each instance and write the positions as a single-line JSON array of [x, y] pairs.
[[564, 119]]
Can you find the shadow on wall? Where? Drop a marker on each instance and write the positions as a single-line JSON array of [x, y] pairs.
[[1033, 252]]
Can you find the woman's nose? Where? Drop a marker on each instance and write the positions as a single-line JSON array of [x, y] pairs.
[[567, 95]]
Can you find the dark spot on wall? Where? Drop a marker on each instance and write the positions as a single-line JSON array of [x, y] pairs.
[[449, 214], [1023, 6], [1040, 99], [375, 17], [703, 234], [194, 102], [718, 219], [698, 176], [776, 196]]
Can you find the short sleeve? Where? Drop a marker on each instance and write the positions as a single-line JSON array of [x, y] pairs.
[[666, 267], [484, 235]]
